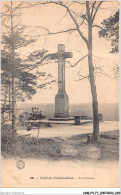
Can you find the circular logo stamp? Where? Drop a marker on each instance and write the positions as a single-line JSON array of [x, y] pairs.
[[20, 164]]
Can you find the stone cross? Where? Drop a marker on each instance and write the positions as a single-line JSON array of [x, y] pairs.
[[61, 99]]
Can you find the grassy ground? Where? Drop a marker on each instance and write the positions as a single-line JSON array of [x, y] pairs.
[[58, 148]]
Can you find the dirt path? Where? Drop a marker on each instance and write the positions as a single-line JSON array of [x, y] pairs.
[[68, 130]]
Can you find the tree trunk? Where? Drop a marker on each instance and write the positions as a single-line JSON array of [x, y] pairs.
[[93, 86], [9, 101], [4, 104], [13, 75]]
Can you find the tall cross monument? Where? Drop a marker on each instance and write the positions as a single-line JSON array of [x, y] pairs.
[[61, 99]]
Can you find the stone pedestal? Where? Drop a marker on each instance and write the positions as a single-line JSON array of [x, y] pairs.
[[61, 106]]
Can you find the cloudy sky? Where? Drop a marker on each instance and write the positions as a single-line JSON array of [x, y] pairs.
[[50, 17]]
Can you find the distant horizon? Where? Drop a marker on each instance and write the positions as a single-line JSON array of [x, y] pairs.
[[110, 111], [69, 103]]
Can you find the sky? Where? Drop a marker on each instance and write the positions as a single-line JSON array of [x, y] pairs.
[[51, 17]]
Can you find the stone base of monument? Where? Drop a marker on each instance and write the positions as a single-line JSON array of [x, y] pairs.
[[61, 105], [65, 121], [61, 119]]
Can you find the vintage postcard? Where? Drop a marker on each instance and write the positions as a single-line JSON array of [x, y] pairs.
[[60, 94]]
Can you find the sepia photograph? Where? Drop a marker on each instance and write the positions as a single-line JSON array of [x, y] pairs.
[[60, 94]]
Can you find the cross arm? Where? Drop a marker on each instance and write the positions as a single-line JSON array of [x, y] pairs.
[[61, 55]]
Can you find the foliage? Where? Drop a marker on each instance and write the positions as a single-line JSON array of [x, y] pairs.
[[111, 31], [20, 40], [26, 78], [36, 114], [25, 71]]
